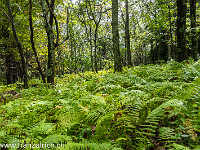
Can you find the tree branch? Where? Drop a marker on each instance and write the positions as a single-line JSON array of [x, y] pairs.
[[6, 15], [63, 41]]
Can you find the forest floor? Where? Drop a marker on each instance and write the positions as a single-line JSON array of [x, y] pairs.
[[144, 107]]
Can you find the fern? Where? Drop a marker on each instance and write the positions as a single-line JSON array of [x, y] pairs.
[[179, 147], [57, 139], [91, 146], [145, 107], [109, 89], [166, 134]]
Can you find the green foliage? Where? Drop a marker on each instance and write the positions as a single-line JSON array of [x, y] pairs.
[[145, 107]]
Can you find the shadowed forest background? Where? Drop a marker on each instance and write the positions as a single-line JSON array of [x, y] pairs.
[[99, 74]]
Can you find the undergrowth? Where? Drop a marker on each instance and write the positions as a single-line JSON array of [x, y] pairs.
[[145, 107]]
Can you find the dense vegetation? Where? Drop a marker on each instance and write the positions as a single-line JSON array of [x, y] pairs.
[[145, 107], [100, 74]]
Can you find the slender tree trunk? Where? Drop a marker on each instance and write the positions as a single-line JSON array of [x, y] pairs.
[[33, 43], [51, 46], [91, 50], [169, 37], [90, 36], [19, 45], [181, 30], [152, 56], [68, 15], [169, 50], [95, 50], [75, 59], [127, 36], [96, 21], [100, 59], [71, 56], [115, 33], [193, 29]]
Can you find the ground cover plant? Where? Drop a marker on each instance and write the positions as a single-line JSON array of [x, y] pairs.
[[144, 107]]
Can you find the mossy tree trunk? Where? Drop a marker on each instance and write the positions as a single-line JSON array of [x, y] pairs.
[[127, 36], [115, 33], [48, 24], [51, 45], [182, 53], [194, 49]]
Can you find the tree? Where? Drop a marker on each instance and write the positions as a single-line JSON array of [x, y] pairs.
[[182, 53], [48, 24], [9, 63], [97, 22], [19, 45], [127, 36], [87, 22], [51, 44], [169, 36], [194, 49], [33, 43], [115, 39]]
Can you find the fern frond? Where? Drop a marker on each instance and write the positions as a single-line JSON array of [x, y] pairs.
[[88, 145], [57, 138], [179, 147]]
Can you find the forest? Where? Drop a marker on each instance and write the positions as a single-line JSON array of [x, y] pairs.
[[100, 74]]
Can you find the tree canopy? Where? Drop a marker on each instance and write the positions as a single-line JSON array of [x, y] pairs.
[[60, 36]]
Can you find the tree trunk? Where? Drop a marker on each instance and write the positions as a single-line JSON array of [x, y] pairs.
[[95, 49], [193, 29], [51, 12], [33, 44], [75, 58], [169, 37], [71, 55], [11, 72], [91, 49], [127, 36], [182, 53], [115, 33], [96, 21], [51, 46], [169, 50], [19, 45]]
